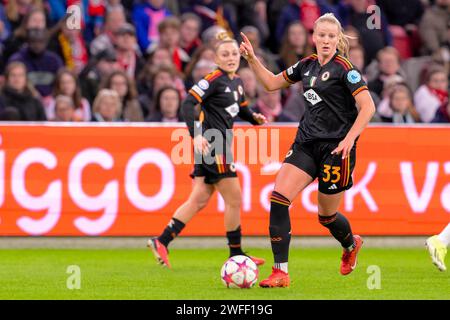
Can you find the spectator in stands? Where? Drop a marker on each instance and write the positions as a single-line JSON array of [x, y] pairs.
[[69, 44], [121, 83], [146, 17], [167, 105], [434, 27], [160, 77], [249, 12], [5, 27], [404, 13], [18, 98], [250, 84], [213, 12], [203, 52], [115, 18], [402, 106], [442, 114], [307, 11], [92, 13], [389, 65], [107, 106], [353, 37], [269, 104], [374, 39], [100, 66], [42, 64], [384, 109], [17, 10], [255, 38], [169, 38], [64, 109], [34, 19], [431, 95], [129, 57], [190, 33], [201, 69], [294, 46], [66, 85]]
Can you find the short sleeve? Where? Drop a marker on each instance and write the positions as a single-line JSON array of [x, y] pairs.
[[293, 73], [354, 81], [205, 87]]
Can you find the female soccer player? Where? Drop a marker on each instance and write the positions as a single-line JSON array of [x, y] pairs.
[[325, 145], [221, 96]]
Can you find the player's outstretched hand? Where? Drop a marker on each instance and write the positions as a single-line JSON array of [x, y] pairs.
[[344, 148], [201, 145], [260, 118], [246, 48]]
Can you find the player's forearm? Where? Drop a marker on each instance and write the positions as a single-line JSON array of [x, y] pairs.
[[266, 77], [187, 110]]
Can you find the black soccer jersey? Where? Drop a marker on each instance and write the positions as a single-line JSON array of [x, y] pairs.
[[329, 92], [221, 100]]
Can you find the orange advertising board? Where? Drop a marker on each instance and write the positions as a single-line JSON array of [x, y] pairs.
[[60, 180]]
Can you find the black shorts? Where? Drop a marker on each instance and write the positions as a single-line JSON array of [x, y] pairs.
[[315, 158], [215, 171]]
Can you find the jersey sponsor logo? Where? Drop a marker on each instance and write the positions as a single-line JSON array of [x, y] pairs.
[[240, 90], [198, 91], [233, 110], [204, 84], [228, 89], [325, 76], [354, 76], [312, 81], [312, 97]]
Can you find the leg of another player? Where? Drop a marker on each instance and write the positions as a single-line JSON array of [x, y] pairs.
[[198, 199], [230, 190], [340, 228], [289, 183]]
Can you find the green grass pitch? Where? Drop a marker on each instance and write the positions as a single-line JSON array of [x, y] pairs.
[[133, 274]]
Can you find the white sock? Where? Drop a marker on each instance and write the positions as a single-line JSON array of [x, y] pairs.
[[444, 236], [282, 266]]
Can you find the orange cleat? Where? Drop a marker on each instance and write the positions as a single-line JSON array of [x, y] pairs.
[[258, 261], [350, 258], [159, 251], [278, 279]]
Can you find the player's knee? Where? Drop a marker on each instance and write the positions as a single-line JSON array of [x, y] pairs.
[[234, 202], [199, 203]]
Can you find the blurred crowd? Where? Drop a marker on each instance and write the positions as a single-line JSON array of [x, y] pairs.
[[132, 60]]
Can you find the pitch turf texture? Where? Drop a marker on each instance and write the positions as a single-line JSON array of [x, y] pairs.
[[133, 274]]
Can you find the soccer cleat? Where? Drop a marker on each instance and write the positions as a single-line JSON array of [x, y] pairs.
[[437, 252], [159, 251], [350, 258], [258, 261], [278, 279]]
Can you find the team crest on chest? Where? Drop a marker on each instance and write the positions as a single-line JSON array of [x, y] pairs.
[[325, 76], [240, 90]]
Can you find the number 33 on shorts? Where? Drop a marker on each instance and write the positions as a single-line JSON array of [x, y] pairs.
[[335, 174]]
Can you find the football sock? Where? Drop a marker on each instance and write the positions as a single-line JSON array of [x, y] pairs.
[[340, 229], [234, 242], [280, 227], [171, 231], [444, 236], [281, 266]]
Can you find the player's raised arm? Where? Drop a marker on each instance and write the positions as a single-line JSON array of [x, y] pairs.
[[270, 81]]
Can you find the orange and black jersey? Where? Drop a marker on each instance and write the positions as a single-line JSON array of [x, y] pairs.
[[329, 92], [221, 99]]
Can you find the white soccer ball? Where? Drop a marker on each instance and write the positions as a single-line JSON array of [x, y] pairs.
[[239, 272]]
